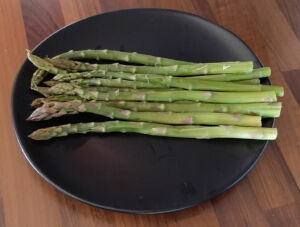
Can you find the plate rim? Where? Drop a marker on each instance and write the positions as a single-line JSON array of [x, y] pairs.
[[124, 210]]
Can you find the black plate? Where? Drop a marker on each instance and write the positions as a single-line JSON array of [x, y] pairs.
[[129, 172]]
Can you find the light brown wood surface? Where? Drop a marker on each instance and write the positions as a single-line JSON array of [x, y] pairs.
[[268, 196]]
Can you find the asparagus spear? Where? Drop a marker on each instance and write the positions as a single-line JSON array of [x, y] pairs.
[[51, 109], [51, 83], [74, 76], [164, 96], [190, 83], [174, 82], [260, 109], [179, 70], [156, 130], [257, 73], [169, 81], [132, 57]]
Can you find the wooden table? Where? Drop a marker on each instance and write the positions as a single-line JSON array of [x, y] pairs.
[[268, 196]]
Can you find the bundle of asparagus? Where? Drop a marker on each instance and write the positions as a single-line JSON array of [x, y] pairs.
[[162, 97]]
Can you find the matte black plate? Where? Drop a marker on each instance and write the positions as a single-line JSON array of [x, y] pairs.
[[129, 172]]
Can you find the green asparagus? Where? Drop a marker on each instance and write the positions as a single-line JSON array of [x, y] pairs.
[[167, 82], [117, 83], [51, 109], [178, 70], [257, 73], [131, 57], [164, 96], [260, 109], [170, 81], [153, 98], [157, 130]]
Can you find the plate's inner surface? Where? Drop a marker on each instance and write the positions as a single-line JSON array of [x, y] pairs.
[[131, 172]]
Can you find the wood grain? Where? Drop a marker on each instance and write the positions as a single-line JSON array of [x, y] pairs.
[[268, 196], [240, 207], [41, 18], [291, 11], [2, 215], [291, 78]]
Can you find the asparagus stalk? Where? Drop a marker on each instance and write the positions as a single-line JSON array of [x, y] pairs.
[[164, 96], [260, 109], [74, 76], [251, 81], [114, 55], [108, 74], [116, 83], [179, 70], [51, 83], [193, 83], [184, 83], [278, 89], [190, 83], [46, 92], [51, 109], [156, 130], [255, 74], [162, 81]]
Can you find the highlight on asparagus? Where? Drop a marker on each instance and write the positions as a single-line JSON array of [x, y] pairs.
[[160, 96]]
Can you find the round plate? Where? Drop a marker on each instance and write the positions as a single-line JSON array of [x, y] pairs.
[[130, 172]]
